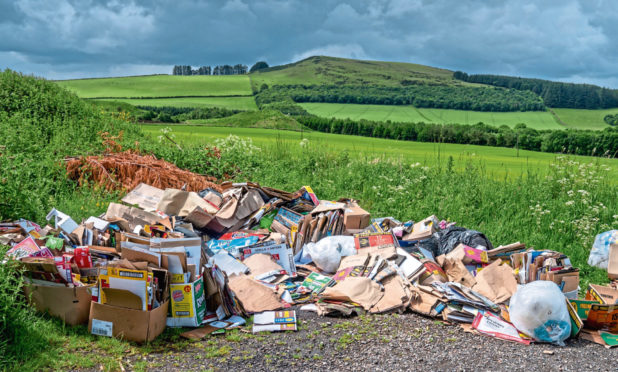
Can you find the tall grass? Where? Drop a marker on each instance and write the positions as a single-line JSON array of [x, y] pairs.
[[40, 124], [562, 210]]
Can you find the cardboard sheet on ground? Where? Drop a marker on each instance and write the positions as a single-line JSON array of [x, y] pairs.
[[360, 290], [494, 326], [496, 282], [606, 339], [254, 297], [199, 333], [144, 196], [274, 321]]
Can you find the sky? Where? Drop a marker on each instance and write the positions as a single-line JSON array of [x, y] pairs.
[[564, 40]]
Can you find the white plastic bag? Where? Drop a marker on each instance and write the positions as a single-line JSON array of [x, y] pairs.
[[539, 310], [599, 254], [327, 252]]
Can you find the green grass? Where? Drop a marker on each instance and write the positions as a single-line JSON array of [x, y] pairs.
[[533, 119], [331, 70], [497, 161], [584, 119], [160, 86], [231, 103], [266, 119]]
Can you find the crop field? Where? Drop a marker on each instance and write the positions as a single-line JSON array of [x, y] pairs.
[[331, 70], [533, 119], [584, 119], [497, 162], [232, 103], [160, 86]]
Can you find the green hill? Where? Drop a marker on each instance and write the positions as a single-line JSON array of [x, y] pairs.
[[331, 70]]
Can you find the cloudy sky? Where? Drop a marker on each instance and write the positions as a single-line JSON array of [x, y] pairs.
[[564, 40]]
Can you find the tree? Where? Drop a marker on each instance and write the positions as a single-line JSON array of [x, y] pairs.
[[258, 66]]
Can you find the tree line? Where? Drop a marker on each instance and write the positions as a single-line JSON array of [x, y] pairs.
[[554, 94], [579, 142], [238, 69], [446, 97], [170, 114]]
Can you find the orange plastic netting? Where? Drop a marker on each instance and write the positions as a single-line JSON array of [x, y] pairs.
[[127, 169]]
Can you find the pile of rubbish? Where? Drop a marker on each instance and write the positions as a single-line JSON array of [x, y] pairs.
[[209, 260]]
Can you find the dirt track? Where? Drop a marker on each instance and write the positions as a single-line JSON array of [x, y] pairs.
[[383, 342]]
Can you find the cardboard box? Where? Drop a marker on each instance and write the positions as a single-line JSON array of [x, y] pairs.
[[127, 324], [188, 304], [355, 217], [612, 264], [72, 305]]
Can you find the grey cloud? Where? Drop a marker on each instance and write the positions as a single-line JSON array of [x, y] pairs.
[[565, 40]]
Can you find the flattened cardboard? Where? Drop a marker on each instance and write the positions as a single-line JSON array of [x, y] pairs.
[[134, 216], [603, 294], [496, 282], [362, 291], [145, 196], [457, 272], [254, 297], [72, 305], [128, 324], [396, 296]]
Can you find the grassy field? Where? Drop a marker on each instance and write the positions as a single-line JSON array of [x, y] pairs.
[[584, 119], [232, 103], [331, 70], [498, 162], [533, 119], [160, 86]]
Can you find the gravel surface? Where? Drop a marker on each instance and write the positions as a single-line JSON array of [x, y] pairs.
[[390, 342]]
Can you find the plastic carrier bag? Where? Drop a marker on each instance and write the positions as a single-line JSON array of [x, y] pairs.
[[327, 252], [599, 254], [539, 310]]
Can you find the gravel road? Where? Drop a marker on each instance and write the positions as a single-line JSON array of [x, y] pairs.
[[391, 342]]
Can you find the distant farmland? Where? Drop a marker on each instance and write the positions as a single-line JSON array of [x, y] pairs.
[[160, 86], [574, 118]]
